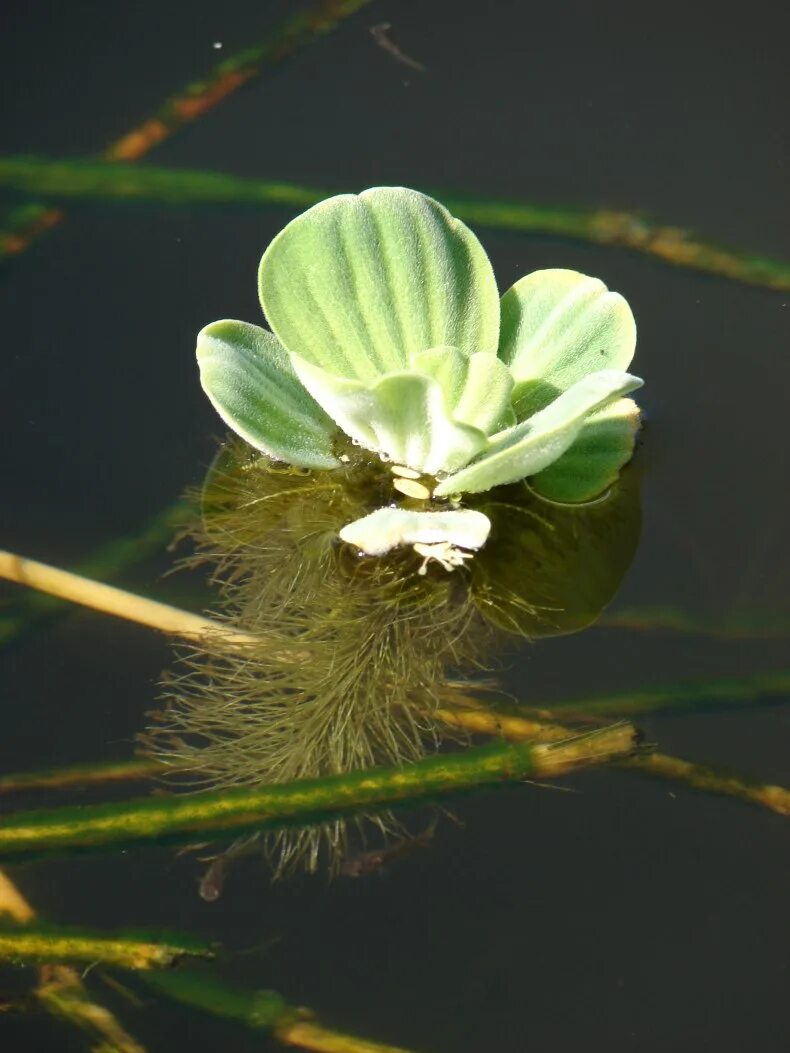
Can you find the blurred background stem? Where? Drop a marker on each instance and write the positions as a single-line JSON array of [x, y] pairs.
[[61, 992], [261, 1011], [110, 181], [30, 220]]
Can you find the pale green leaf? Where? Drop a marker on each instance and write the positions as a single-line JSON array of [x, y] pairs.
[[591, 465], [485, 400], [534, 444], [477, 387], [249, 379], [448, 366], [403, 415], [558, 326], [357, 284]]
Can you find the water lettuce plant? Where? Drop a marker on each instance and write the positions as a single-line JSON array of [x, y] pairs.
[[394, 409], [386, 325]]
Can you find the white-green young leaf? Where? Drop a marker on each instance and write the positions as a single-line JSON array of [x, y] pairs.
[[558, 326], [448, 366], [402, 415], [357, 284], [249, 379], [477, 387], [533, 445], [592, 464], [388, 528]]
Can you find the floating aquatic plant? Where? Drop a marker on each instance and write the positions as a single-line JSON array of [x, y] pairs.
[[387, 326], [393, 415]]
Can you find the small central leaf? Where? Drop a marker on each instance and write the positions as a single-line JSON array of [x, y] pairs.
[[403, 415], [477, 387]]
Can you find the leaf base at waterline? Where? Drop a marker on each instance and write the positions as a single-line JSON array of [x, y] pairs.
[[353, 650]]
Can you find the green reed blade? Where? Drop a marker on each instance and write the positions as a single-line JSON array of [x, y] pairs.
[[305, 802], [692, 695], [260, 1010], [630, 230], [712, 780], [31, 944], [749, 625], [81, 775], [494, 717], [62, 994]]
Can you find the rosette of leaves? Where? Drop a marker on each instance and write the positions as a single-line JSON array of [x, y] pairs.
[[386, 325]]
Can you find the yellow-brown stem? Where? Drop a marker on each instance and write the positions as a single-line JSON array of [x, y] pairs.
[[111, 600], [13, 903], [307, 1034], [61, 991]]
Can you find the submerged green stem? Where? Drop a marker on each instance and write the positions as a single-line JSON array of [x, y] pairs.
[[76, 178], [30, 945], [131, 770], [92, 180], [262, 1011], [477, 718], [747, 626], [62, 994], [722, 692], [307, 801], [712, 780]]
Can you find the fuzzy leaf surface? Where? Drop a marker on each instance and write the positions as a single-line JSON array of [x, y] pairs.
[[359, 283], [249, 380], [533, 445], [477, 387], [557, 327], [403, 415], [591, 465]]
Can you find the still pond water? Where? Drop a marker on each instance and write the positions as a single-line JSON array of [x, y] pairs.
[[631, 914]]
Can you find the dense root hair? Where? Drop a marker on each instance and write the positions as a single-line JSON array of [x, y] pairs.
[[351, 652]]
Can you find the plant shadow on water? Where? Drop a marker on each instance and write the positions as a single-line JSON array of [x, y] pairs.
[[654, 916]]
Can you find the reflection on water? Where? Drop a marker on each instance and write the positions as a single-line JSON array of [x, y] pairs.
[[551, 569]]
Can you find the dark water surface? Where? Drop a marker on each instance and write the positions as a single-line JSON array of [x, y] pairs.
[[632, 915]]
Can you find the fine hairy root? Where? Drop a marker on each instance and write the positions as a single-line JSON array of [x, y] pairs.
[[350, 653]]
